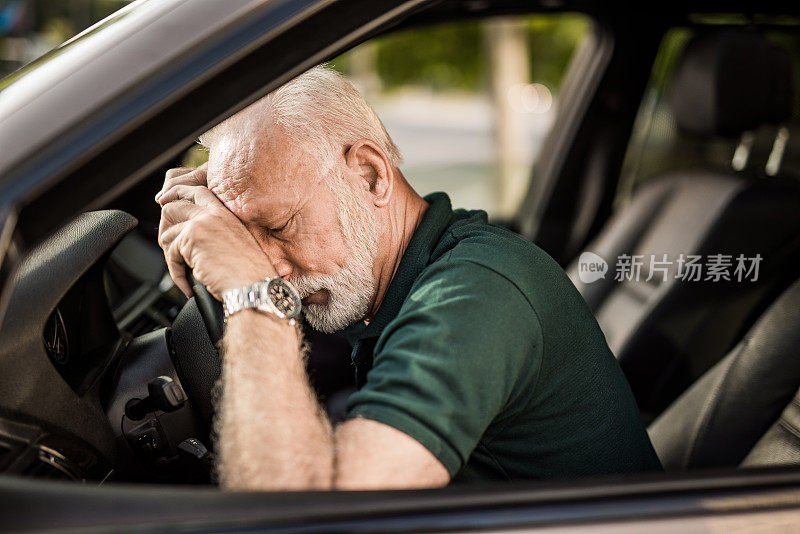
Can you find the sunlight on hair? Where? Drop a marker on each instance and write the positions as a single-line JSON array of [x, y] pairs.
[[320, 110]]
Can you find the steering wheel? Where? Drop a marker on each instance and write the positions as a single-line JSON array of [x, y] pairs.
[[210, 309], [195, 336]]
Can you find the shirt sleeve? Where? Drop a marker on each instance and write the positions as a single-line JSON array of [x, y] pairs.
[[465, 342]]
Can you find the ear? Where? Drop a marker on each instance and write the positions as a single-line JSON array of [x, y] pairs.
[[366, 159]]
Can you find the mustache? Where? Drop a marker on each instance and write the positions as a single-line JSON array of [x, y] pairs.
[[307, 285]]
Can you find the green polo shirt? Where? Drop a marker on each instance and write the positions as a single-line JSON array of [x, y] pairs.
[[484, 352]]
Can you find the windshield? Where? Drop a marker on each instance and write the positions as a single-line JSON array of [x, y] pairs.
[[28, 31]]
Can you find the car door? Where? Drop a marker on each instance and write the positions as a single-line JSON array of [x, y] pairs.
[[142, 120]]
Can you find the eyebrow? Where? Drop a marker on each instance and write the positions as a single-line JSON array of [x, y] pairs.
[[276, 217]]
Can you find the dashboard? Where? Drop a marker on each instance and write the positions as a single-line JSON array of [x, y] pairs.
[[87, 328], [80, 336]]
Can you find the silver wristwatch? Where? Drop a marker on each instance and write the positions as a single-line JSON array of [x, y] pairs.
[[273, 295]]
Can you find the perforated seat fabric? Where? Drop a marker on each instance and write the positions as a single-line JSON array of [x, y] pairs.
[[781, 444], [744, 410]]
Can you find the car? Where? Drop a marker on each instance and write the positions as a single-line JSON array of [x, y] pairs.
[[673, 136]]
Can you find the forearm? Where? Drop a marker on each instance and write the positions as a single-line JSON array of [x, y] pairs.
[[272, 433]]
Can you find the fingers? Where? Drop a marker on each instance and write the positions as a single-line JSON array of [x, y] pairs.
[[177, 212], [174, 219], [175, 232], [168, 235], [199, 195], [183, 176], [179, 200], [176, 172], [176, 264], [190, 217]]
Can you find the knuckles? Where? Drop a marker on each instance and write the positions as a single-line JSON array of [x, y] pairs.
[[198, 230], [184, 175], [205, 223], [177, 171]]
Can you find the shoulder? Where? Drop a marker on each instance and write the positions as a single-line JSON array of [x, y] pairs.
[[471, 243], [499, 258], [469, 278], [469, 305]]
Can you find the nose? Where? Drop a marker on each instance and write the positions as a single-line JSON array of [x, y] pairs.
[[278, 256], [283, 267]]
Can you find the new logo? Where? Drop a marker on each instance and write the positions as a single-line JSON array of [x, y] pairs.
[[591, 267]]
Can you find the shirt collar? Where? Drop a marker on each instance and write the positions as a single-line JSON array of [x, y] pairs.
[[416, 257]]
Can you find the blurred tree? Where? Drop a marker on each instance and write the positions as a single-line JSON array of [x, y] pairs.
[[552, 40], [442, 57], [41, 25], [454, 56]]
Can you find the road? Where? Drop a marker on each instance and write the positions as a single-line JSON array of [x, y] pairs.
[[447, 143]]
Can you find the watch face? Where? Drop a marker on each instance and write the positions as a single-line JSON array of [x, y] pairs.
[[285, 297]]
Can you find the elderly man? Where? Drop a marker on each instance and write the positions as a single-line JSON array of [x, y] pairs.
[[475, 356]]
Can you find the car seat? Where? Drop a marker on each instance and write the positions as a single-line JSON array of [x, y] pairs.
[[666, 332], [746, 409]]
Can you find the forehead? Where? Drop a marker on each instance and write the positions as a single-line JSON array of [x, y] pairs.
[[252, 171]]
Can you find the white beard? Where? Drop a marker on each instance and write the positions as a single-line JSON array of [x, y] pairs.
[[350, 291]]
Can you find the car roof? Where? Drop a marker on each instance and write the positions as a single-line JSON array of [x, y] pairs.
[[111, 64], [103, 67], [100, 68], [128, 94]]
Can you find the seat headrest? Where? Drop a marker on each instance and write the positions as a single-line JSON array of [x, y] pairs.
[[729, 82]]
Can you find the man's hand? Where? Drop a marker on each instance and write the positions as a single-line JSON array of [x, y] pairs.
[[198, 231]]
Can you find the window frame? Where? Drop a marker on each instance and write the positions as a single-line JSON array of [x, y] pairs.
[[159, 135]]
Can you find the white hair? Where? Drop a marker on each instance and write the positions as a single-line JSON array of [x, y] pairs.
[[324, 113]]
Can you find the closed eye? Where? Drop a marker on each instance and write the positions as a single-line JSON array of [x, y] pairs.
[[281, 228]]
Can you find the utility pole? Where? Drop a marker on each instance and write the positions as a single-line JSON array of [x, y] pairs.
[[508, 53], [364, 70]]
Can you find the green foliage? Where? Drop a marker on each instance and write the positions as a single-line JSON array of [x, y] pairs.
[[442, 57], [194, 157], [552, 41], [53, 22], [454, 56]]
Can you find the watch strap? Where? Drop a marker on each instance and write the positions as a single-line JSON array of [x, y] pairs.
[[255, 296]]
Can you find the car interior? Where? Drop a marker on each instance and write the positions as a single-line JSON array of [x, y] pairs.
[[688, 147], [666, 333]]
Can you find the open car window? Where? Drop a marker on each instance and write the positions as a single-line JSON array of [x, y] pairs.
[[468, 103], [471, 105]]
